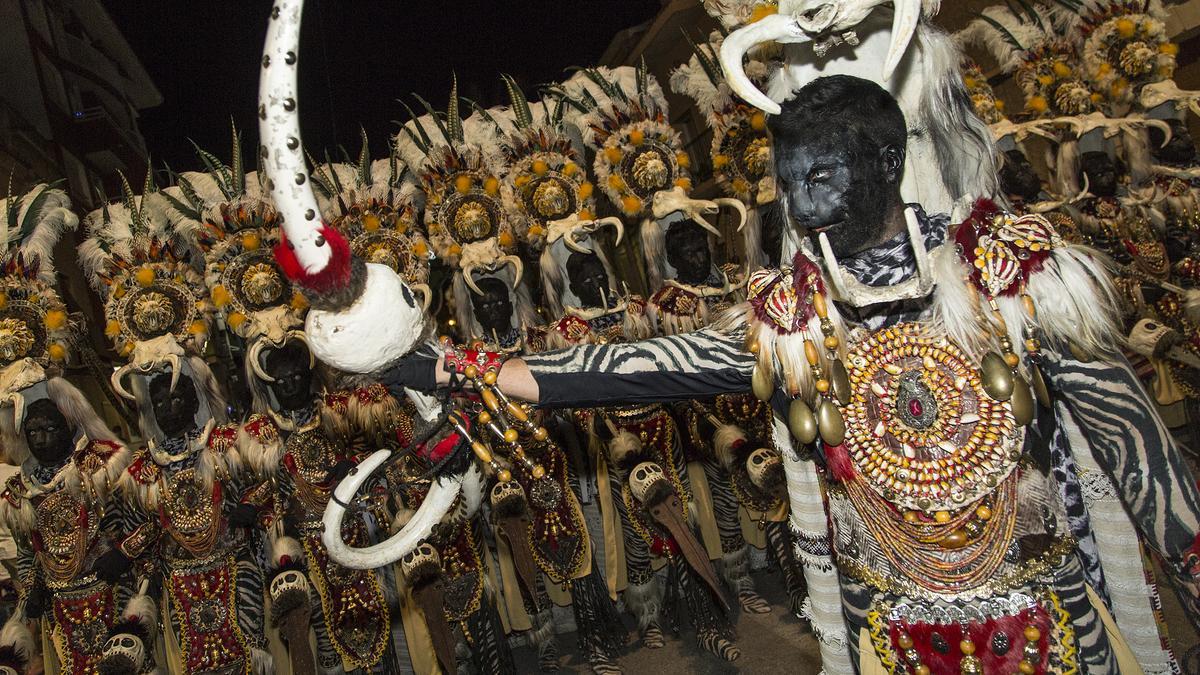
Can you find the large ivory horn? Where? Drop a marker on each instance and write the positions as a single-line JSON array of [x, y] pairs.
[[468, 273], [618, 227], [518, 268], [254, 356], [442, 495], [282, 152], [426, 295], [904, 25], [775, 27], [118, 381], [736, 205]]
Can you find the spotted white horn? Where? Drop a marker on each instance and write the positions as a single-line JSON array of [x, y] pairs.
[[282, 151], [904, 24], [775, 27], [443, 493]]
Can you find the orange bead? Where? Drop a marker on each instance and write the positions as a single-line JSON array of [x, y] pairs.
[[967, 647], [942, 516], [831, 342], [540, 434], [483, 417], [489, 378], [905, 641], [921, 670], [956, 539], [1027, 668], [912, 517], [983, 513], [810, 352], [822, 385], [510, 435], [818, 302], [503, 475], [538, 472], [471, 371], [1032, 633], [1012, 360]]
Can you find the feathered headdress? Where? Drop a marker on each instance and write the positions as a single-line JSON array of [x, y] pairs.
[[1031, 42], [466, 200], [1125, 47], [542, 165], [376, 210], [741, 146], [35, 329], [622, 115]]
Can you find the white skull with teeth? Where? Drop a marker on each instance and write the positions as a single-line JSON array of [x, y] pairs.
[[643, 476]]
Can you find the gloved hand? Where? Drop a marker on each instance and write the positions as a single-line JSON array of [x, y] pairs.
[[417, 371], [338, 471], [243, 515], [112, 565]]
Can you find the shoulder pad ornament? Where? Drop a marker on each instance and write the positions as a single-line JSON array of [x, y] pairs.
[[1002, 249], [142, 469], [782, 298], [573, 328]]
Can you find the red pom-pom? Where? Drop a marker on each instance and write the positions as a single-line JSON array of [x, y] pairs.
[[837, 459], [334, 276]]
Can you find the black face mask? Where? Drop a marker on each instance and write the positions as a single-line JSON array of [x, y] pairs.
[[688, 252], [1018, 177], [493, 309], [47, 432], [293, 377], [588, 280], [174, 411], [1179, 151], [1101, 173], [830, 190]]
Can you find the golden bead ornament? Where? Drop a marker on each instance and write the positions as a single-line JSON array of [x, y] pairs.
[[506, 420], [924, 432]]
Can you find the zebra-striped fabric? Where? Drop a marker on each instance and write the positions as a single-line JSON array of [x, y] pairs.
[[673, 368], [1131, 442]]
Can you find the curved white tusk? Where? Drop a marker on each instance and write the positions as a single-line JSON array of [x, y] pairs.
[[118, 385], [426, 295], [1163, 126], [442, 495], [736, 205], [775, 27], [468, 273], [617, 225], [282, 152], [518, 268], [570, 241], [173, 361], [904, 24], [18, 402], [918, 244], [832, 268], [252, 355]]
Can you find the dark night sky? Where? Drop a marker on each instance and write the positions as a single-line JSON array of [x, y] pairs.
[[358, 57]]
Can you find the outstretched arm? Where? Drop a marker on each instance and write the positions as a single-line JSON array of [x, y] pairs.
[[664, 369]]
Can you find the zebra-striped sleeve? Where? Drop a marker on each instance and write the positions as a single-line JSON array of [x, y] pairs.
[[664, 369], [1131, 442]]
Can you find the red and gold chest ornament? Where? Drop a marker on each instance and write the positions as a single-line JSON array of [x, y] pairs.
[[1002, 248]]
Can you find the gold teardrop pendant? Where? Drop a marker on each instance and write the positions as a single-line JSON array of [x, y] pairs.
[[762, 385], [802, 422], [840, 381], [830, 423], [996, 377], [1040, 390], [1022, 402]]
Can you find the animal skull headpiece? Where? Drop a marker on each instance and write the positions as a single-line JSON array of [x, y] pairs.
[[822, 22], [575, 235]]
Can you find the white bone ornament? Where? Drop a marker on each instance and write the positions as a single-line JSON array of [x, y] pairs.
[[382, 325]]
